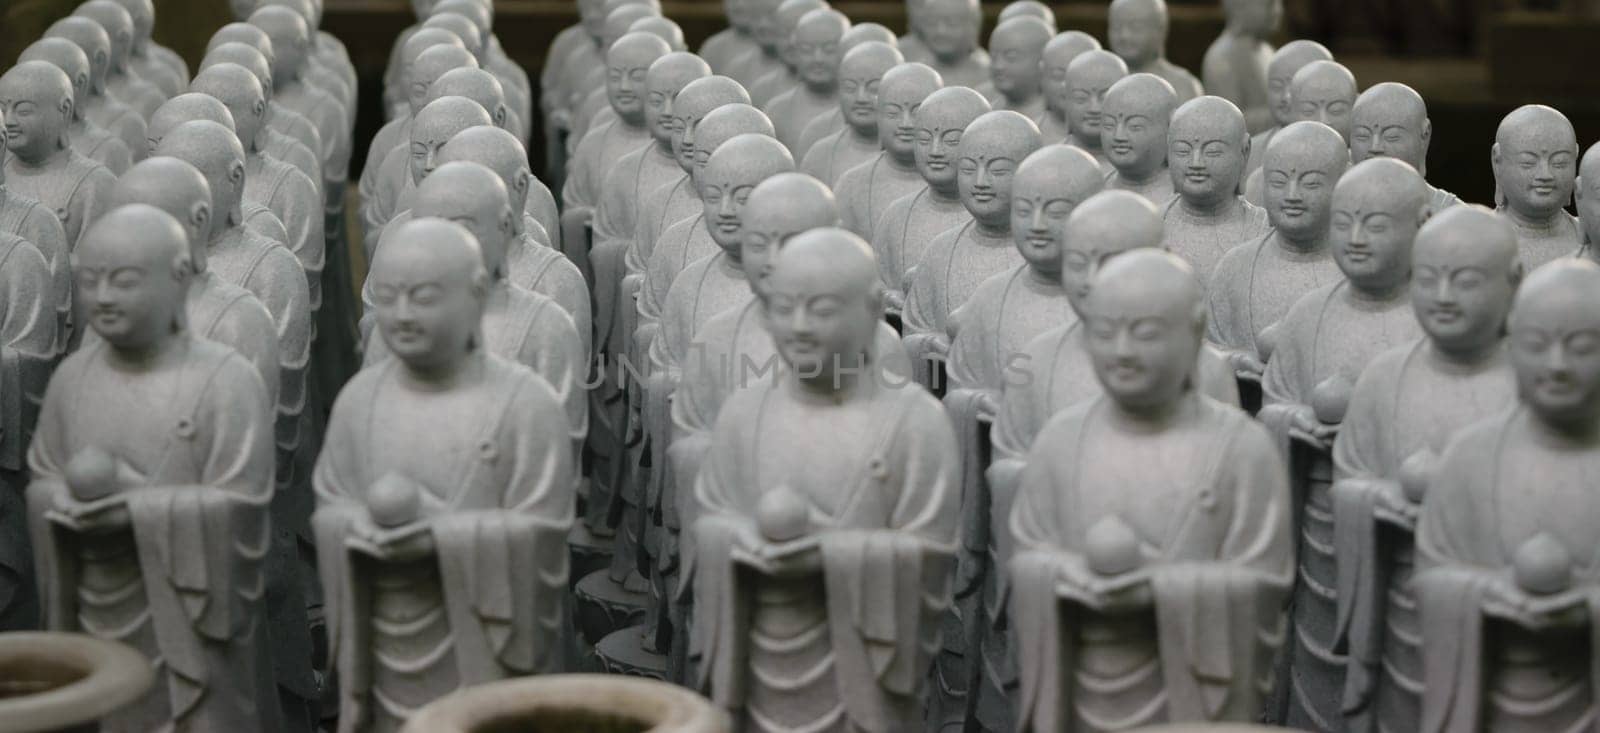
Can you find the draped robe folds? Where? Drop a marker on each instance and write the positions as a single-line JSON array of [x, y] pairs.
[[681, 244], [904, 233], [1552, 240], [393, 133], [747, 68], [121, 121], [1507, 482], [879, 474], [769, 86], [182, 582], [1407, 400], [76, 189], [825, 125], [95, 143], [1157, 189], [297, 203], [971, 70], [281, 147], [724, 46], [616, 223], [1254, 285], [866, 191], [1202, 241], [27, 351], [838, 152], [393, 180], [592, 163], [498, 504], [667, 205], [951, 268], [1210, 508], [1053, 128], [36, 225]]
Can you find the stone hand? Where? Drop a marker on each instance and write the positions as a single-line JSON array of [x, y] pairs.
[[1392, 506], [1246, 365], [1304, 425], [106, 513], [794, 557], [1504, 600]]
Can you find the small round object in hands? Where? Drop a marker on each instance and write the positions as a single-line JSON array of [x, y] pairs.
[[1266, 342], [91, 474], [394, 501], [1112, 548], [1415, 472], [1330, 398], [782, 515], [1543, 566]]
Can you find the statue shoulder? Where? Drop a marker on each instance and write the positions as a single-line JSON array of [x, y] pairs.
[[1307, 309]]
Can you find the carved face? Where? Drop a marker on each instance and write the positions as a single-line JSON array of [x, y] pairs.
[[897, 126], [1461, 290], [34, 118], [1588, 195], [429, 133], [1086, 93], [592, 13], [858, 94], [950, 29], [426, 313], [1038, 220], [723, 193], [1298, 190], [1555, 350], [1257, 17], [815, 50], [1325, 98], [1536, 169], [1207, 156], [659, 107], [130, 295], [1138, 32], [984, 174], [1133, 132], [1143, 344], [818, 320], [1388, 131], [1014, 60], [764, 26], [625, 85], [1372, 235], [938, 141], [1082, 256]]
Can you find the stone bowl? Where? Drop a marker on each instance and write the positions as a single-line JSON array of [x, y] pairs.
[[1214, 728], [570, 703], [52, 681]]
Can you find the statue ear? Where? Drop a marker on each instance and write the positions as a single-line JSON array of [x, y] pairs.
[[65, 106], [82, 82], [182, 268], [521, 181], [1424, 213], [236, 174], [500, 116], [259, 108], [1516, 272], [508, 222], [200, 215], [1494, 156], [1427, 133]]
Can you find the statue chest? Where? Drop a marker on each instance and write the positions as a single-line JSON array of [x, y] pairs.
[[1152, 493], [163, 426], [437, 440], [1348, 337], [822, 453], [1548, 491], [1278, 280], [1070, 378], [928, 218], [973, 259], [1431, 406]]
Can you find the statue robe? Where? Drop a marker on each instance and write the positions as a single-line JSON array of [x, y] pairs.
[[278, 146], [75, 188], [595, 157], [770, 86], [1053, 127], [844, 646], [1507, 483], [681, 244], [971, 70], [796, 108], [182, 582], [616, 224], [140, 95], [1329, 331], [1407, 400], [1202, 242], [724, 46], [914, 49], [1254, 286], [27, 352], [395, 132], [1210, 508], [830, 157], [170, 80], [747, 68], [823, 126], [950, 270], [1556, 238], [295, 125], [1186, 84], [866, 191], [1235, 68], [297, 203], [487, 603], [36, 225], [903, 233], [120, 120], [1094, 149], [1157, 190], [572, 48], [327, 114], [95, 143]]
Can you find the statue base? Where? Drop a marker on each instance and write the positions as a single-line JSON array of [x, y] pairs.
[[602, 605], [589, 553], [623, 652]]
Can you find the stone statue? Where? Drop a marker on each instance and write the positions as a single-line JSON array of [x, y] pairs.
[[482, 87], [1089, 77], [832, 122], [736, 40], [785, 19], [423, 65], [1503, 586], [320, 70], [1148, 591], [866, 190], [1138, 33], [1586, 197], [99, 107], [1235, 66], [961, 257], [152, 61], [1535, 158], [269, 140], [518, 89], [150, 529], [254, 52], [1134, 118], [1321, 91], [767, 57], [795, 539], [88, 139], [1207, 145], [1028, 9], [1016, 51], [1285, 63], [950, 30], [1255, 284], [1058, 56], [860, 79], [815, 50], [290, 50], [405, 166], [589, 97], [441, 573], [596, 109], [1320, 347], [1391, 120], [574, 48], [30, 221], [905, 228], [137, 92], [37, 99], [1404, 410]]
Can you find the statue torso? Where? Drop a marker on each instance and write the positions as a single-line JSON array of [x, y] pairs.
[[1203, 241]]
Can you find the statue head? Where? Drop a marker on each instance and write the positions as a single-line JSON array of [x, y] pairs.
[[1089, 77], [244, 57], [900, 94], [1324, 91], [991, 149], [429, 290], [1391, 120], [132, 274], [941, 121], [1106, 224], [627, 63], [1254, 18], [1137, 30], [214, 151], [435, 125], [1058, 56], [814, 46], [762, 24], [785, 19], [426, 68], [1207, 147], [950, 28], [1586, 189], [187, 108], [1378, 206], [474, 197], [467, 31], [1301, 165], [1535, 159], [1049, 185], [176, 188], [1133, 124], [242, 8], [721, 125], [118, 25], [693, 102], [591, 15], [1554, 330], [1028, 9], [662, 28], [92, 39], [1285, 63], [241, 32], [860, 33], [36, 98], [1016, 49], [733, 170], [143, 13], [480, 13], [1145, 322], [665, 78], [1464, 273], [477, 85], [239, 91], [66, 56], [822, 305], [738, 14], [499, 151], [778, 208], [860, 81], [291, 40]]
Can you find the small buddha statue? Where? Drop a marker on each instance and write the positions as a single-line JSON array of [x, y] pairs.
[[786, 18], [88, 139], [1089, 77], [832, 122], [575, 47], [482, 87], [866, 190], [589, 97], [1255, 283], [1586, 197], [1391, 119], [1321, 91], [860, 79], [493, 58], [1016, 50], [1148, 591], [911, 44], [814, 47], [1235, 65], [288, 125], [751, 65], [134, 90], [321, 71], [152, 61], [906, 226], [791, 534], [1059, 53], [1404, 410], [31, 222], [736, 40], [1134, 118], [1286, 62], [1028, 9], [1207, 145], [1322, 345], [42, 164], [441, 573], [148, 513], [1138, 33], [423, 66], [956, 261], [269, 140], [596, 109], [405, 166], [950, 30], [1535, 159], [99, 107], [290, 40]]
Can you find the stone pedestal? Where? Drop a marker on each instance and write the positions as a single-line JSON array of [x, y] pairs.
[[602, 606], [623, 652], [571, 704], [66, 682]]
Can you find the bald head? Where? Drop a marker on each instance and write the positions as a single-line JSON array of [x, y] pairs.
[[1200, 127], [860, 33], [1137, 30], [822, 263], [1133, 124], [239, 91], [1106, 224], [428, 66], [186, 108], [475, 84], [1285, 63], [665, 29], [1089, 77], [290, 39], [991, 149], [721, 125], [1050, 183], [1299, 169], [462, 26], [92, 39], [860, 82], [777, 209], [740, 163], [814, 47], [477, 198], [426, 38], [1391, 120], [620, 20], [1324, 91], [118, 24], [1555, 317], [139, 239], [902, 90], [70, 59], [1016, 50], [1466, 272], [176, 188], [668, 75], [240, 32], [499, 151], [1028, 9], [1378, 207], [1146, 315], [214, 151], [439, 121], [444, 256], [245, 57], [434, 249], [950, 28], [1535, 161], [143, 13], [941, 122]]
